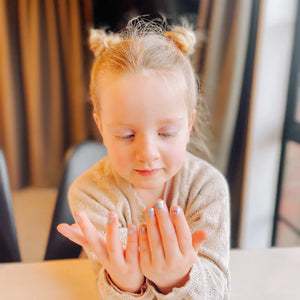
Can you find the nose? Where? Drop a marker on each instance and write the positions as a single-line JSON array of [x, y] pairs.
[[146, 150]]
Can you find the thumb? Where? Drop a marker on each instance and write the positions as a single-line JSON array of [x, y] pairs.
[[198, 237]]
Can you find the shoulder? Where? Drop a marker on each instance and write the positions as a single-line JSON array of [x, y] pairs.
[[99, 174], [197, 168], [202, 177], [97, 184]]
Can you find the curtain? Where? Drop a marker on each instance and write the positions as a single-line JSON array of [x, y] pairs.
[[44, 104], [225, 59], [221, 67]]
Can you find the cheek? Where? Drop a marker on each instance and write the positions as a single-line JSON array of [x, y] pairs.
[[117, 155], [176, 154]]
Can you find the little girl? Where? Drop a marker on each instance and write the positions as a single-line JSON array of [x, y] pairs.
[[152, 218]]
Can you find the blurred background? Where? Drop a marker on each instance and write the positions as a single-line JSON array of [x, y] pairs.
[[248, 61]]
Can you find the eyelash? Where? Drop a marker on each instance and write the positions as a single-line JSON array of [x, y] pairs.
[[131, 136], [165, 134], [126, 137]]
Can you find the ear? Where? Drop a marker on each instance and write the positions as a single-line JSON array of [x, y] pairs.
[[98, 123], [192, 120]]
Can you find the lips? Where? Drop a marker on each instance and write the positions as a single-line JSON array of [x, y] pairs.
[[147, 172]]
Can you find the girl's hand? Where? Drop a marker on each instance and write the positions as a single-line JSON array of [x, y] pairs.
[[168, 250], [121, 265]]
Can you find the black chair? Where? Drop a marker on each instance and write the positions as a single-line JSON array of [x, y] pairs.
[[78, 159], [9, 248]]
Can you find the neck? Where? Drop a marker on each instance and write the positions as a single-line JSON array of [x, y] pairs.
[[149, 197]]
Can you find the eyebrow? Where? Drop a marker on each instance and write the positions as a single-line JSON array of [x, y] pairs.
[[171, 120], [160, 122]]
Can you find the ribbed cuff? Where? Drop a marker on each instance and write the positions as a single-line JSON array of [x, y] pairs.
[[108, 290], [189, 291]]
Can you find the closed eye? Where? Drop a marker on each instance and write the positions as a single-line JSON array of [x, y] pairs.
[[165, 134], [126, 137]]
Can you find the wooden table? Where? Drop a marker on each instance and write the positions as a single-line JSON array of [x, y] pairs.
[[255, 274], [69, 279]]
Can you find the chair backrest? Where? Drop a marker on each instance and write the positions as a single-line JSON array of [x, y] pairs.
[[78, 159], [9, 248]]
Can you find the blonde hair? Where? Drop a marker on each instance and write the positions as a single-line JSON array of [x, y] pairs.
[[147, 46]]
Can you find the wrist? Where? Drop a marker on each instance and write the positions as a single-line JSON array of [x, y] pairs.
[[166, 289], [129, 288]]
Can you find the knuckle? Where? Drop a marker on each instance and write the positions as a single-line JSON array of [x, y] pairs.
[[171, 238], [186, 238], [192, 258], [143, 249], [85, 245], [131, 245], [155, 243], [174, 262], [111, 250]]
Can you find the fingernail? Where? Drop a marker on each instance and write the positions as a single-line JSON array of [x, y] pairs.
[[77, 218], [144, 228], [160, 204], [176, 211], [150, 212], [131, 231], [110, 219]]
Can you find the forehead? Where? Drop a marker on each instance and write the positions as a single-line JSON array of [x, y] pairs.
[[142, 97], [169, 78]]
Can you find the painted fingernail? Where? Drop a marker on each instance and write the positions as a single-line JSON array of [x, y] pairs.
[[110, 219], [77, 218], [144, 228], [160, 204], [131, 231], [150, 212], [176, 211]]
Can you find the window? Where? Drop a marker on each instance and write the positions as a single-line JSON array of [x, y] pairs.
[[286, 228]]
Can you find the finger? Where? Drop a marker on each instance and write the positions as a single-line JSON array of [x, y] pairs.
[[77, 229], [198, 237], [182, 229], [95, 240], [72, 234], [75, 226], [113, 242], [145, 255], [167, 231], [131, 253], [154, 238]]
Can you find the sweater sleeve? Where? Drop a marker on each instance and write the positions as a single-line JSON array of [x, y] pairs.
[[86, 196], [207, 208]]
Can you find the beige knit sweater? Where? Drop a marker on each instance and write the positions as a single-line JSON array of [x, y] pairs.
[[202, 193]]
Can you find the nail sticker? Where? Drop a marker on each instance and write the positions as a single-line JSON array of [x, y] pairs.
[[176, 211], [160, 204], [150, 212], [110, 219]]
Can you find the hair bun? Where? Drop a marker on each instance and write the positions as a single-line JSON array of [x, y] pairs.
[[99, 41], [184, 38]]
